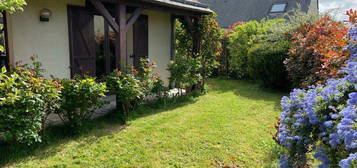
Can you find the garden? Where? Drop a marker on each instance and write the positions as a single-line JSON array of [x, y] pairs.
[[233, 108]]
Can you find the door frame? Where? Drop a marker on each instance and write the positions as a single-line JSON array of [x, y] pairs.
[[70, 37]]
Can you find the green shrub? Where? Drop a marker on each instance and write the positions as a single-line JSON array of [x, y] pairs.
[[240, 40], [243, 37], [79, 99], [127, 88], [159, 90], [26, 99], [185, 72], [210, 36], [265, 62], [145, 74]]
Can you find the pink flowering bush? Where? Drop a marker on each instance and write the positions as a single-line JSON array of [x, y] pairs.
[[322, 120]]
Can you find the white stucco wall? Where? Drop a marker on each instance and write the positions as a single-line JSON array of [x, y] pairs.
[[50, 40], [47, 40], [160, 42]]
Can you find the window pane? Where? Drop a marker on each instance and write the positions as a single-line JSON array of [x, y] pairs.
[[105, 50], [278, 7], [99, 38]]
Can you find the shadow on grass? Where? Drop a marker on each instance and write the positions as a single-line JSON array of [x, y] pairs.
[[253, 91], [58, 136], [247, 89]]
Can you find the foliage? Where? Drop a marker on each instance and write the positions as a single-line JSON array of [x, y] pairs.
[[209, 35], [80, 97], [26, 99], [282, 31], [11, 5], [132, 86], [185, 72], [242, 37], [127, 88], [323, 120], [317, 52], [211, 44], [265, 63], [145, 74], [159, 90]]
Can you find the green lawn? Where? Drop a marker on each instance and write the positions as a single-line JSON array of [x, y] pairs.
[[233, 122]]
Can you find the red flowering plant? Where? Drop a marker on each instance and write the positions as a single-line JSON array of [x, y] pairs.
[[317, 52], [230, 29]]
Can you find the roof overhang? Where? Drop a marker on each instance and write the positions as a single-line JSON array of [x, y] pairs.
[[182, 4]]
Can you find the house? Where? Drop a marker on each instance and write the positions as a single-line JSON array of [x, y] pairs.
[[231, 11], [94, 37]]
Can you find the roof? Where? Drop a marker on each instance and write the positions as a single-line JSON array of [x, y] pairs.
[[191, 5], [231, 11]]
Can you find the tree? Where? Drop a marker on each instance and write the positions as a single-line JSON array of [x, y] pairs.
[[11, 6], [210, 35]]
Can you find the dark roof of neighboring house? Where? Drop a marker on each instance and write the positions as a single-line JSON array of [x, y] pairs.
[[231, 11], [192, 5]]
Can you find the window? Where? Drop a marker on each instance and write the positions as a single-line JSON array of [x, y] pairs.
[[278, 7], [105, 46]]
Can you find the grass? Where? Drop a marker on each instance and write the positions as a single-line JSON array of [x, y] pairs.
[[231, 124]]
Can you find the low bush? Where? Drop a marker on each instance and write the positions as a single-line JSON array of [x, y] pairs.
[[322, 120], [80, 97], [145, 74], [26, 99], [265, 63], [185, 73], [127, 88], [132, 86]]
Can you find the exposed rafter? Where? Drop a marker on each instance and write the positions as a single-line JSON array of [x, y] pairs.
[[133, 18], [105, 13]]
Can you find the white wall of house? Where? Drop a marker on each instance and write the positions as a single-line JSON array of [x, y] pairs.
[[47, 40], [50, 40], [160, 42]]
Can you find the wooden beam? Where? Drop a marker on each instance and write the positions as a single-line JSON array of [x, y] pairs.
[[107, 48], [173, 37], [196, 48], [105, 13], [133, 18], [188, 21], [120, 47]]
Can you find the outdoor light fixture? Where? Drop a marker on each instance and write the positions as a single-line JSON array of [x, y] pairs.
[[45, 15]]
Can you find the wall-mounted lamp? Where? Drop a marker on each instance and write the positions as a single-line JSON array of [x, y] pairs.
[[45, 15]]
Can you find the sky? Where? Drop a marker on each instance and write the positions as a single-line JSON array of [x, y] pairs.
[[338, 6]]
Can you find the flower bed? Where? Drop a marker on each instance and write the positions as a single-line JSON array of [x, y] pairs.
[[323, 120]]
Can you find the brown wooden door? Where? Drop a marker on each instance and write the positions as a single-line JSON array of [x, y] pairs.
[[141, 39], [82, 41]]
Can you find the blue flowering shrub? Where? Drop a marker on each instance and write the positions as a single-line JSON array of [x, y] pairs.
[[322, 120]]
